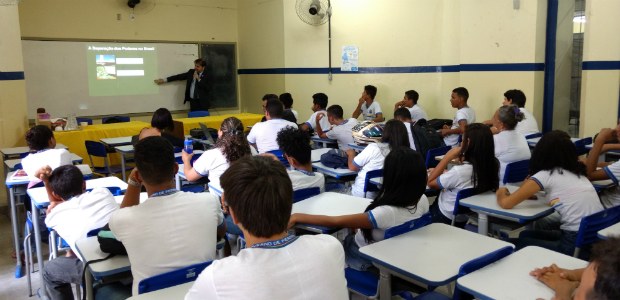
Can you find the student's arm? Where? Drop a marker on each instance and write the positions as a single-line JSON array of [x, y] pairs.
[[358, 109], [346, 221], [318, 129], [351, 155], [458, 130], [592, 159], [441, 167], [221, 230], [399, 104], [188, 170], [563, 288], [378, 117], [507, 200], [572, 275], [44, 174], [134, 187]]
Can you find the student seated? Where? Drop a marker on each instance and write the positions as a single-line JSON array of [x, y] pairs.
[[319, 103], [264, 100], [464, 116], [372, 157], [341, 130], [410, 102], [478, 169], [274, 265], [400, 199], [528, 124], [296, 147], [368, 107], [555, 169], [41, 142], [263, 135], [402, 114], [510, 146], [230, 146], [72, 212], [161, 124], [171, 229], [599, 280], [287, 101], [606, 140]]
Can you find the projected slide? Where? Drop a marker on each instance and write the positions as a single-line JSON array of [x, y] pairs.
[[121, 69]]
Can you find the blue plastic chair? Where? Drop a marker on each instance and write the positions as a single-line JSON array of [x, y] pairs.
[[87, 120], [280, 155], [198, 114], [533, 135], [580, 145], [516, 171], [590, 226], [369, 186], [431, 162], [303, 194], [98, 149], [462, 194], [172, 278], [115, 119], [420, 222]]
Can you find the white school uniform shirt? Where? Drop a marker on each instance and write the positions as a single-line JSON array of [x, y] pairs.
[[528, 125], [466, 113], [212, 163], [74, 218], [371, 158], [264, 134], [304, 267], [611, 196], [324, 122], [510, 146], [386, 216], [302, 179], [168, 232], [370, 112], [417, 113], [343, 133], [456, 179], [410, 135], [572, 196], [48, 157]]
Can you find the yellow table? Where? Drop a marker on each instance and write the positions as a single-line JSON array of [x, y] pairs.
[[74, 139], [215, 122]]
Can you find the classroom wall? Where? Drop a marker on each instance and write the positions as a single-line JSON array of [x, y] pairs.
[[600, 82]]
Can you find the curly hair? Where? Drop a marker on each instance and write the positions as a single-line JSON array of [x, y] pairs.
[[232, 142], [295, 143], [38, 137]]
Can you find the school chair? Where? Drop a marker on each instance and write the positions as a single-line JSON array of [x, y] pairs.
[[366, 283], [533, 135], [115, 119], [172, 278], [459, 210], [280, 155], [580, 145], [431, 162], [198, 114], [98, 150], [516, 171], [80, 120], [590, 226], [303, 194], [369, 186]]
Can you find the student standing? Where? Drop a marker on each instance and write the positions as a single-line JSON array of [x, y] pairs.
[[368, 107], [464, 116]]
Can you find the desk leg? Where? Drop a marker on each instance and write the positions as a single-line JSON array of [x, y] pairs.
[[37, 240], [177, 180], [123, 165], [385, 284], [18, 267], [483, 224], [88, 277]]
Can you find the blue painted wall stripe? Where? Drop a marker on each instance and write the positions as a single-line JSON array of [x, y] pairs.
[[11, 75], [601, 65], [549, 78], [409, 69]]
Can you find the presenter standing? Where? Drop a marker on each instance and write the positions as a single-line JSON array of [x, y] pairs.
[[197, 88]]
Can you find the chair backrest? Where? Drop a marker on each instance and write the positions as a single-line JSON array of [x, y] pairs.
[[172, 278], [115, 119], [87, 120], [280, 155], [533, 135], [431, 162], [484, 260], [97, 149], [422, 221], [516, 171], [462, 194], [368, 186], [198, 114], [114, 190], [24, 154], [303, 194], [591, 224], [580, 145]]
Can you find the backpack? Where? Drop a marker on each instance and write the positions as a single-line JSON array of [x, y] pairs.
[[438, 123], [108, 242], [367, 132], [425, 137], [335, 159]]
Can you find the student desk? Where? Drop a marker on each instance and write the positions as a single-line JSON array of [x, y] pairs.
[[356, 147], [88, 249], [127, 150], [600, 185], [315, 155], [329, 204], [509, 278], [143, 197], [11, 163], [41, 201], [533, 141], [216, 189], [324, 143], [215, 122], [336, 173], [116, 141], [613, 230], [485, 204], [14, 152], [432, 254], [173, 292]]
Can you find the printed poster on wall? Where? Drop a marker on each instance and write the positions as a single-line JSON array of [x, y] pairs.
[[350, 56]]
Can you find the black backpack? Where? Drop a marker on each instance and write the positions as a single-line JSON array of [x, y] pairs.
[[425, 137]]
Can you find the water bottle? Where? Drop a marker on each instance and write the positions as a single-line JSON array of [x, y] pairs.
[[188, 146]]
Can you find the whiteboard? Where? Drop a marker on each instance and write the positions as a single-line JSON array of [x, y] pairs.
[[57, 79]]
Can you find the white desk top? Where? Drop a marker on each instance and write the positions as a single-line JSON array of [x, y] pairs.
[[88, 249], [524, 211], [534, 141], [117, 141], [316, 138], [21, 180], [432, 254], [129, 149], [613, 230], [603, 184], [331, 204], [509, 277], [19, 150], [143, 197], [336, 173], [216, 189], [315, 155], [174, 292], [39, 195], [377, 180], [11, 163]]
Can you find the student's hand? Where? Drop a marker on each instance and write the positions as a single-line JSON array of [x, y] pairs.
[[445, 131], [52, 204], [361, 101], [319, 116], [158, 81], [504, 192], [605, 135], [186, 157], [134, 176], [44, 174], [399, 104], [454, 153], [563, 288]]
